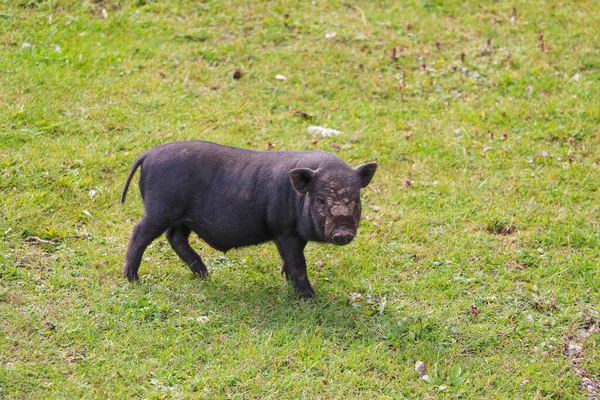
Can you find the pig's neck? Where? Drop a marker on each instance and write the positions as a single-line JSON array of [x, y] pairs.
[[306, 225]]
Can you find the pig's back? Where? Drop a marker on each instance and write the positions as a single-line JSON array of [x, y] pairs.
[[230, 197]]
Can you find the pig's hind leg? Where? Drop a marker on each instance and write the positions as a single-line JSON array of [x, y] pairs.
[[143, 234], [178, 236]]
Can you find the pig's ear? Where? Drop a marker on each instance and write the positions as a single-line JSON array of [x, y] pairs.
[[365, 172], [301, 179]]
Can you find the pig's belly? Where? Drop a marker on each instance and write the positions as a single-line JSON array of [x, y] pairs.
[[224, 233]]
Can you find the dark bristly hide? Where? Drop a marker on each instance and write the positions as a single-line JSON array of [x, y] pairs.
[[233, 197]]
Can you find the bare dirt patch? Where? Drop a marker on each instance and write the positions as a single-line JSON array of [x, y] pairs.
[[574, 345]]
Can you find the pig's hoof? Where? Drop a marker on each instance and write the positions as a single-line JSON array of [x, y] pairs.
[[131, 276], [198, 268], [202, 274], [284, 273]]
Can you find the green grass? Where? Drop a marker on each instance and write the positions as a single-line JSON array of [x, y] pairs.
[[479, 249]]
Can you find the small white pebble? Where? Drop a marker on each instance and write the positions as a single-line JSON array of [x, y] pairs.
[[529, 90], [421, 369], [324, 132]]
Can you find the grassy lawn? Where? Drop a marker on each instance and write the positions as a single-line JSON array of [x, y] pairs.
[[479, 248]]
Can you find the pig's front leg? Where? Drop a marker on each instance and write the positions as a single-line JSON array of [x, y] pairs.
[[291, 249]]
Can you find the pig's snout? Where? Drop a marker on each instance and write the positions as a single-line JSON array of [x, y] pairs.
[[342, 237]]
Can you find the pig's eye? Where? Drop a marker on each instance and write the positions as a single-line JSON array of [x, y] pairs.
[[321, 201]]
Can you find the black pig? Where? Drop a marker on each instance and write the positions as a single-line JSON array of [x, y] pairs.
[[234, 197]]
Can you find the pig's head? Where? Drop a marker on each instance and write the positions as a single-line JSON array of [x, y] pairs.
[[332, 198]]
